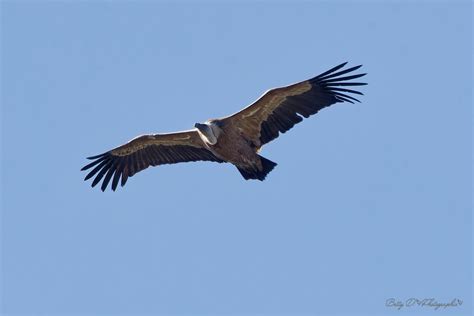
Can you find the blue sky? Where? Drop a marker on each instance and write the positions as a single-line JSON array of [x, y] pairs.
[[368, 202]]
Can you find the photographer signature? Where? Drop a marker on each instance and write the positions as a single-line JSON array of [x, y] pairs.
[[426, 302]]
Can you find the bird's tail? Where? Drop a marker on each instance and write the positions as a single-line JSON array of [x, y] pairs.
[[254, 173]]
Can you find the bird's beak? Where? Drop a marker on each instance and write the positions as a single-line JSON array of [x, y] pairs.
[[198, 126]]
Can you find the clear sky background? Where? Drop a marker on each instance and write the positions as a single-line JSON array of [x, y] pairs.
[[368, 201]]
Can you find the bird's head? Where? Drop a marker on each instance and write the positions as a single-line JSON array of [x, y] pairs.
[[208, 132]]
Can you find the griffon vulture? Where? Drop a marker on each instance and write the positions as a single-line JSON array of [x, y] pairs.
[[236, 139]]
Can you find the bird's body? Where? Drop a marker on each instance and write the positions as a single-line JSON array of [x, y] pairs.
[[236, 139], [231, 145]]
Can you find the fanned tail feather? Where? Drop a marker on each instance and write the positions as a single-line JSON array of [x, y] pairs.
[[254, 173]]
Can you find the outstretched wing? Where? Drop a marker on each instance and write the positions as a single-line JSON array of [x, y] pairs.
[[279, 109], [144, 151]]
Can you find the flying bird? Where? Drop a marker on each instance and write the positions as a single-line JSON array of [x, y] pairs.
[[236, 139]]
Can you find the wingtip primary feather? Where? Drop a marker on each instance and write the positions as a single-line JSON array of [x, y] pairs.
[[97, 156], [330, 71], [92, 164]]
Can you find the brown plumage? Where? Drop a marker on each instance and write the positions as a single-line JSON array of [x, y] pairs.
[[236, 139]]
